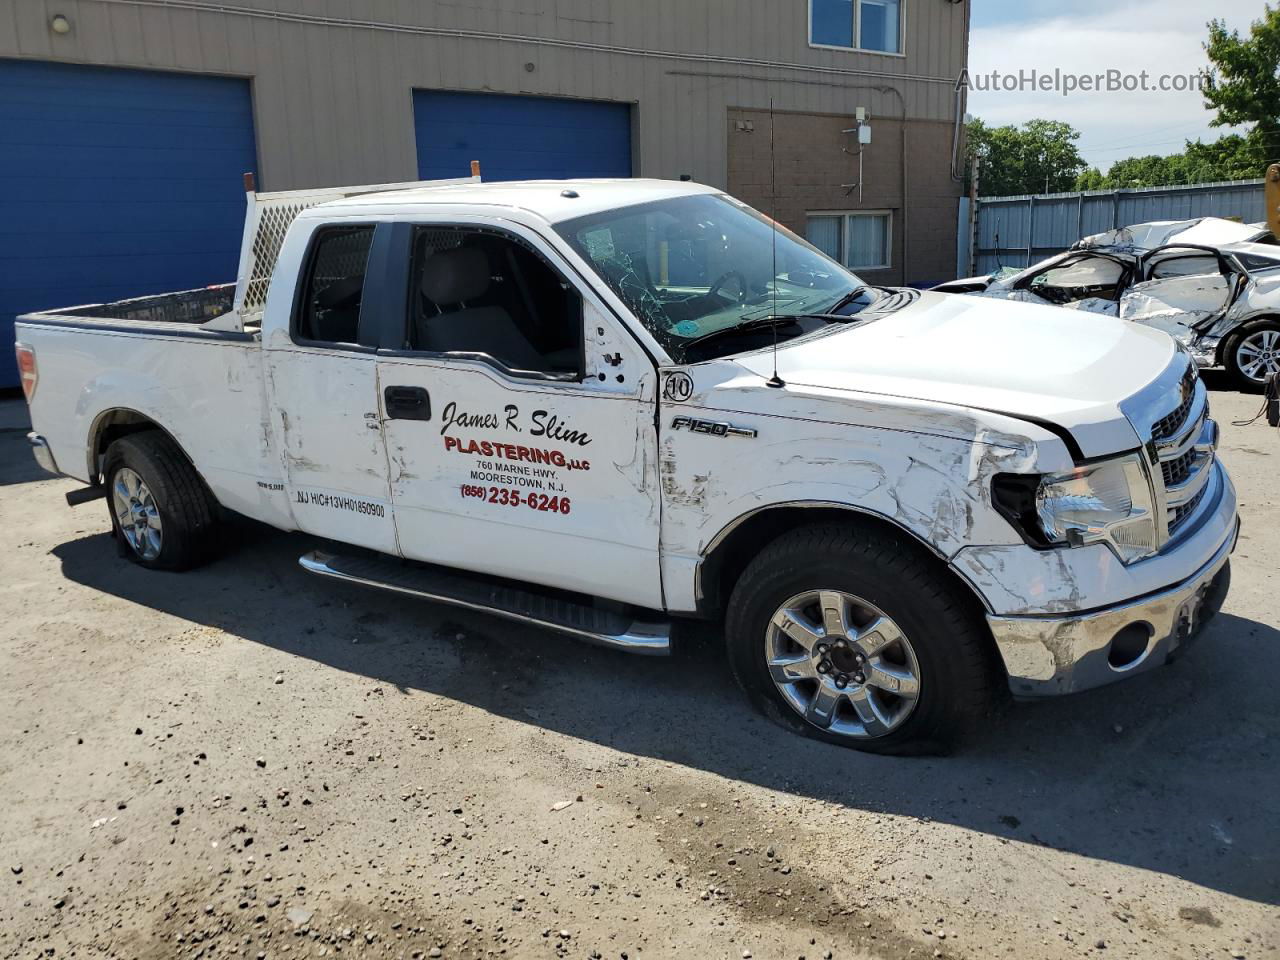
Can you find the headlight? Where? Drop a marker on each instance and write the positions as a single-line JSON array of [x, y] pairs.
[[1109, 502]]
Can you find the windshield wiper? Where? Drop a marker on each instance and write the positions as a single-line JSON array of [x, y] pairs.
[[755, 323], [763, 323], [829, 314], [848, 298]]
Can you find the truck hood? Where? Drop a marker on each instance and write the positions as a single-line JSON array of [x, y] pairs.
[[1037, 363]]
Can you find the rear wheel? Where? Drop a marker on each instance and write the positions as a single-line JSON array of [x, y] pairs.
[[852, 637], [162, 514], [1252, 354]]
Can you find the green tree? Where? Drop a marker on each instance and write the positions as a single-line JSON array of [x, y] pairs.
[[1232, 157], [1039, 157], [1092, 179], [1148, 171], [1244, 84]]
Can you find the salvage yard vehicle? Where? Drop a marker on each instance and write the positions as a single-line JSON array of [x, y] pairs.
[[1213, 284], [605, 406]]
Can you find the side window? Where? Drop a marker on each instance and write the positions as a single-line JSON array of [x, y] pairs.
[[329, 308], [1189, 266], [485, 293], [1079, 279]]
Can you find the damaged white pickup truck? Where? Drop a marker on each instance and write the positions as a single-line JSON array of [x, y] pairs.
[[603, 406], [1211, 283]]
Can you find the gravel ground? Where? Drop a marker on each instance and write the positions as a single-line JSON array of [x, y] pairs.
[[244, 761]]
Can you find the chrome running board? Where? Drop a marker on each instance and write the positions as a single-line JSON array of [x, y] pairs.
[[604, 627]]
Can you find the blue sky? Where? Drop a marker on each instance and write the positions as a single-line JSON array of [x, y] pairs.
[[1093, 36]]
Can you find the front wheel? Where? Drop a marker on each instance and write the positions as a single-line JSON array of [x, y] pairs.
[[1253, 354], [853, 637]]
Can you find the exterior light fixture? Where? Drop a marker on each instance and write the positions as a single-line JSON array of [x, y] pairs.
[[59, 24]]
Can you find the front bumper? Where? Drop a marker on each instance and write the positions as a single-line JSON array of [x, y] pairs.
[[44, 456], [1047, 656]]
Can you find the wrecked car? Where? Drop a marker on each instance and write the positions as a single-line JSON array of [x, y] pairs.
[[1213, 284], [607, 407]]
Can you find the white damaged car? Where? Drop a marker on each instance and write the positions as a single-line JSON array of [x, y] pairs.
[[1213, 284]]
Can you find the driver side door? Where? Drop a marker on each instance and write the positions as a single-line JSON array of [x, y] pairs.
[[519, 419]]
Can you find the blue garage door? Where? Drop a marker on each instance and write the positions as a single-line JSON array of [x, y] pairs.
[[117, 183], [520, 138]]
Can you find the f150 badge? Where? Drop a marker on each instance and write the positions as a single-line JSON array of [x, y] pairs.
[[715, 428]]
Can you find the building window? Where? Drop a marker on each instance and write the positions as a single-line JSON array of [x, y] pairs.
[[860, 241], [874, 25]]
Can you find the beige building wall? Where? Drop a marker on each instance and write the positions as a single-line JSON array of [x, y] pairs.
[[818, 171], [333, 82]]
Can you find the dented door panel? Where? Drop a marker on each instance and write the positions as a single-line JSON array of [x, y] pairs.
[[325, 419]]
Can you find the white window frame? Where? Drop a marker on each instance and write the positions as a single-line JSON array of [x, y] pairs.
[[845, 216], [857, 33]]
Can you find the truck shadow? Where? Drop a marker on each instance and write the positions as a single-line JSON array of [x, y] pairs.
[[22, 469], [1174, 773]]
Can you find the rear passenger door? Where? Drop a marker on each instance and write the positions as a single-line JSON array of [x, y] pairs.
[[519, 418], [322, 378]]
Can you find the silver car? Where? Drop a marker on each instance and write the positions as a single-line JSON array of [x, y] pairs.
[[1213, 284]]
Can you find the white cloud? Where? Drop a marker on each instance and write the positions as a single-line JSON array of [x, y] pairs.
[[1162, 38]]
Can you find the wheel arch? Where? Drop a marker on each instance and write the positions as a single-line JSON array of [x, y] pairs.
[[112, 424], [733, 548]]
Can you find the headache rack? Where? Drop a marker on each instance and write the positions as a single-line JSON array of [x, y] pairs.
[[266, 222], [231, 307]]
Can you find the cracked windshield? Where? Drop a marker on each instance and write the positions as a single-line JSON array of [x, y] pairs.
[[702, 273]]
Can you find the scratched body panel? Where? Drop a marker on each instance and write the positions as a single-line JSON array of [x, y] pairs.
[[927, 471], [330, 443], [217, 384]]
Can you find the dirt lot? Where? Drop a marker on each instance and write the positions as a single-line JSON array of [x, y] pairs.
[[244, 761]]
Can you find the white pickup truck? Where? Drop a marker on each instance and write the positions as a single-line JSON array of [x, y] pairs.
[[604, 406]]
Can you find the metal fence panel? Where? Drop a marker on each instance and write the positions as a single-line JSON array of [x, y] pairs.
[[1020, 231]]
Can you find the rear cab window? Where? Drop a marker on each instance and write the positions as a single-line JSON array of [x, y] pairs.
[[327, 311]]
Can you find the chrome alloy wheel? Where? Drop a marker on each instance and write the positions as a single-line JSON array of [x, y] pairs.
[[137, 514], [1258, 355], [842, 664]]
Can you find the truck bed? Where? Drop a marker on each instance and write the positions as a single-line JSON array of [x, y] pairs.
[[184, 307]]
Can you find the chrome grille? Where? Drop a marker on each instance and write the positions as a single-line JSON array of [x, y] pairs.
[[1183, 445], [1178, 514], [1176, 471], [1168, 426]]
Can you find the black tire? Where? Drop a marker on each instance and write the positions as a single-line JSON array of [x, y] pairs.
[[1231, 359], [189, 514], [958, 675]]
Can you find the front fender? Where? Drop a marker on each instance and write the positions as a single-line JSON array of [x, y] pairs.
[[937, 489]]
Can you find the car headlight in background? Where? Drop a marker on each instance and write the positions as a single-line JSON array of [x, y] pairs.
[[1108, 502]]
